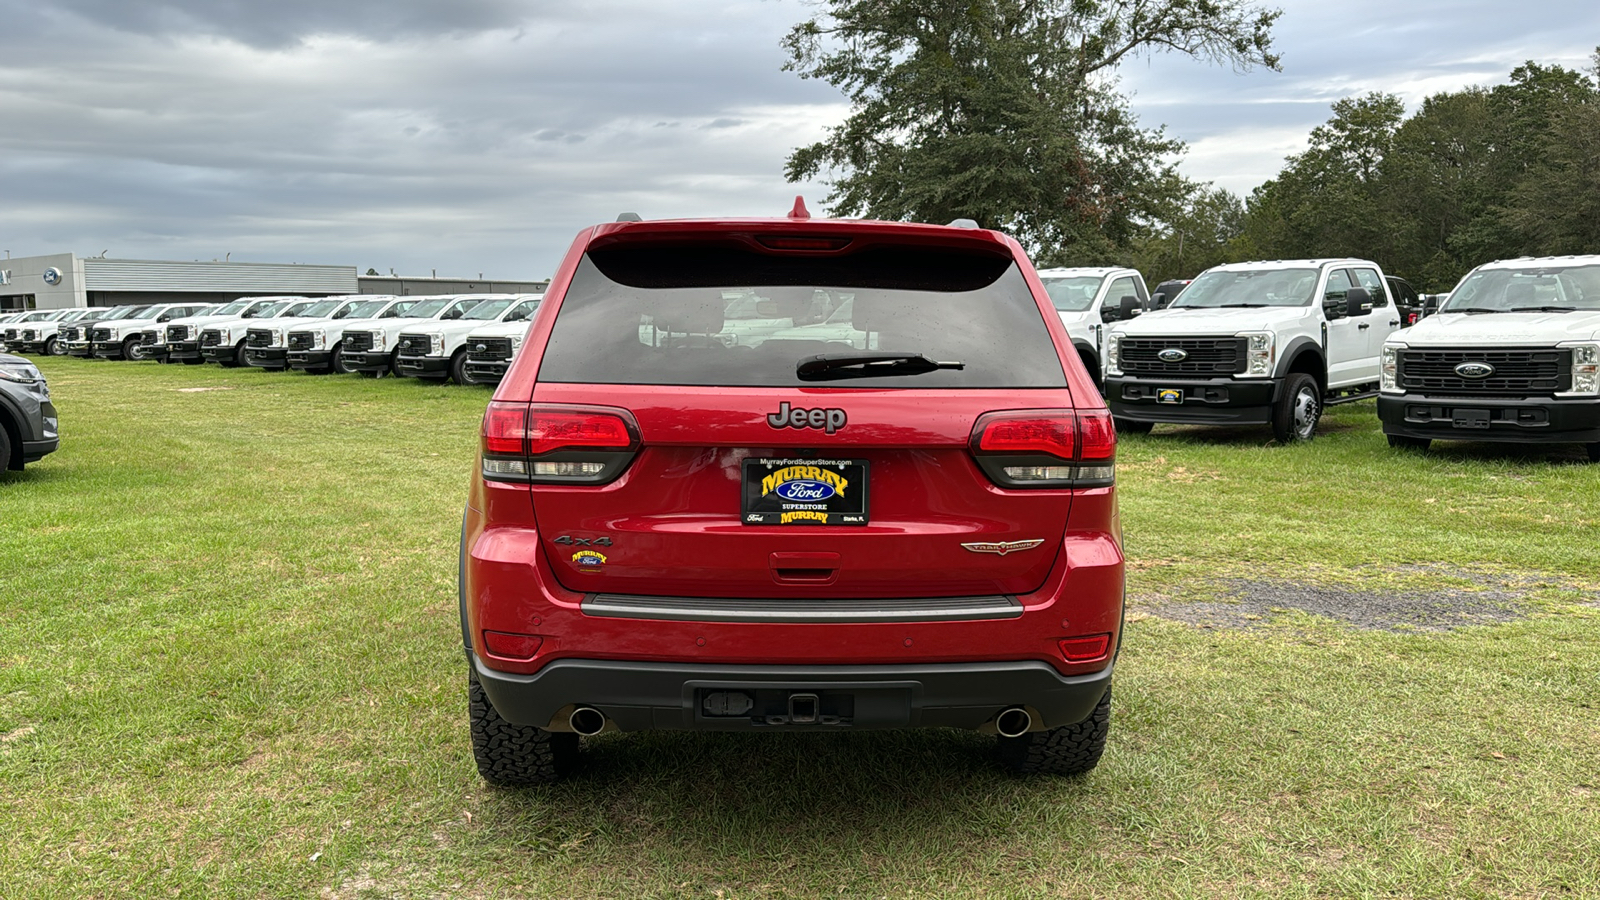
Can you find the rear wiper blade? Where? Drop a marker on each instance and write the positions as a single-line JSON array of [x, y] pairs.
[[867, 365], [1544, 309]]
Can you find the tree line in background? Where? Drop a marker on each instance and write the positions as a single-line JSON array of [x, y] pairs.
[[1006, 112]]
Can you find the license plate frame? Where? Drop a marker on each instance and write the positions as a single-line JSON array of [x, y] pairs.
[[838, 488], [1169, 396], [1472, 419]]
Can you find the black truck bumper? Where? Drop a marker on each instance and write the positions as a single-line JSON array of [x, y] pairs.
[[267, 357], [309, 359], [184, 351], [1512, 419], [482, 371], [639, 696], [367, 360], [1196, 401], [423, 366], [220, 354]]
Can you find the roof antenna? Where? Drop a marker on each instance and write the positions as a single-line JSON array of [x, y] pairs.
[[799, 211]]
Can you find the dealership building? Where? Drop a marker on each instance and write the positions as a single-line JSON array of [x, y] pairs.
[[65, 280]]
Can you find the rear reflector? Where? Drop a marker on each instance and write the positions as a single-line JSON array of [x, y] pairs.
[[512, 646], [1086, 649]]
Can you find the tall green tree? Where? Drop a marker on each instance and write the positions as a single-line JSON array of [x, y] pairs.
[[1007, 111]]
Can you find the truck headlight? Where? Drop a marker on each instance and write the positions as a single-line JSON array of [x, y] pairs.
[[1113, 360], [380, 340], [224, 336], [516, 344], [1389, 369], [1260, 353], [436, 344], [1585, 368], [319, 340], [277, 338], [112, 334]]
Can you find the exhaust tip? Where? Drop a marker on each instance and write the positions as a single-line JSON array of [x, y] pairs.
[[1011, 723], [588, 721]]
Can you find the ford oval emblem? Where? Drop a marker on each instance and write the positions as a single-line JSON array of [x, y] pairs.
[[804, 490], [1173, 354], [1474, 370]]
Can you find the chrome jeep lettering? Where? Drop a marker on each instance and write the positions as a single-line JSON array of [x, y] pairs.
[[830, 420]]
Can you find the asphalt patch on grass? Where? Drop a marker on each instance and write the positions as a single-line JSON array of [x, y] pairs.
[[1245, 603]]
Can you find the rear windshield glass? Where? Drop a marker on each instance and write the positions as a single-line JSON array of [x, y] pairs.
[[1250, 287], [734, 318]]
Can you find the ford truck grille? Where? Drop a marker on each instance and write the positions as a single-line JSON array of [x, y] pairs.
[[211, 337], [1205, 357], [70, 334], [147, 337], [492, 349], [28, 334], [299, 340], [177, 332], [11, 334], [99, 334], [357, 341], [1516, 372], [414, 345], [258, 337]]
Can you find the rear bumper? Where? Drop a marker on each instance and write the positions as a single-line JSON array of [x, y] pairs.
[[1518, 420], [639, 696], [1207, 401], [423, 366]]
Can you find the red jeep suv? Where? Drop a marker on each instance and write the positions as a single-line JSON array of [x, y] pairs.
[[792, 474]]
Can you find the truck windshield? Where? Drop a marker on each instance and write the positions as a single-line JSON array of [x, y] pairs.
[[1251, 287], [1072, 293], [366, 309], [232, 309], [1533, 289], [149, 312], [489, 309], [724, 317], [320, 308]]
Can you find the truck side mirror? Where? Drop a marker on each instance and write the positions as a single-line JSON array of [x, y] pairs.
[[1333, 307], [1358, 301], [1128, 307]]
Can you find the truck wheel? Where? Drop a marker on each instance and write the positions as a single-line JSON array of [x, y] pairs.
[[394, 366], [1123, 426], [238, 358], [130, 349], [5, 449], [337, 365], [515, 754], [1295, 414], [52, 347], [458, 367], [1068, 750], [1401, 442]]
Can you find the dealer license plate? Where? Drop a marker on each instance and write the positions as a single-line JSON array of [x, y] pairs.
[[1169, 395], [782, 491]]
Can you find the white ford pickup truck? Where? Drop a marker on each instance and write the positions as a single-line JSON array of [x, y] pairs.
[[1256, 343], [1513, 355], [1087, 299]]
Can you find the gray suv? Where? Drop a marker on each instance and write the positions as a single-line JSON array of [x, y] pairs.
[[27, 417]]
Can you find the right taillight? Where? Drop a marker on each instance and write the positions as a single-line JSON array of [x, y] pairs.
[[1046, 448], [550, 444]]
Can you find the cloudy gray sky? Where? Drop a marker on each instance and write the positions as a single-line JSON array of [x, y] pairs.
[[479, 135]]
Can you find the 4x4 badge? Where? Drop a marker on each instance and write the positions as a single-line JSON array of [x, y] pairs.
[[1003, 547]]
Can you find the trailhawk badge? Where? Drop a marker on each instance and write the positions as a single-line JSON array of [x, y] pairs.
[[1003, 547]]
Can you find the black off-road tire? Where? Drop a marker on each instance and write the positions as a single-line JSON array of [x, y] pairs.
[[514, 755], [5, 450], [53, 347], [1402, 442], [458, 367], [1068, 750], [238, 358], [131, 351], [1290, 423], [336, 365], [1123, 426]]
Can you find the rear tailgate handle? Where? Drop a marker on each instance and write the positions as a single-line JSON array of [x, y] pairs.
[[804, 567]]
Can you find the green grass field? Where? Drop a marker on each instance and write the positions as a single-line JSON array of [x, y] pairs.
[[230, 665]]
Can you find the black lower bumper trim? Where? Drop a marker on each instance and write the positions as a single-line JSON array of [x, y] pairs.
[[310, 359], [423, 366], [267, 357], [1513, 420], [640, 696], [1216, 401], [33, 451], [367, 362]]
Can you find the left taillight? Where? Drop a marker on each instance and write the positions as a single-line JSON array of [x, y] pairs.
[[549, 444], [1046, 448]]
